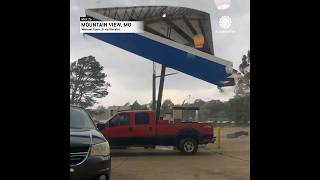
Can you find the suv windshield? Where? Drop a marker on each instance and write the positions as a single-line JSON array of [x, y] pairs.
[[79, 119]]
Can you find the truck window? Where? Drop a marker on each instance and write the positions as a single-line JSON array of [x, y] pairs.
[[141, 118], [120, 120]]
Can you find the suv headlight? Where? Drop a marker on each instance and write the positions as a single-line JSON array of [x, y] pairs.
[[101, 149]]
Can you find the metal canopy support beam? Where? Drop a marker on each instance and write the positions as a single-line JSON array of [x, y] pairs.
[[148, 11], [149, 29], [163, 71], [168, 74], [178, 30], [189, 25], [140, 13], [125, 13], [115, 14]]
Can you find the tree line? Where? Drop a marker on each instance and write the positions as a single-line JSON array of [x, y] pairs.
[[236, 109]]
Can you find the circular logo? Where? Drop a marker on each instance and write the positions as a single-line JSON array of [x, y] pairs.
[[225, 22]]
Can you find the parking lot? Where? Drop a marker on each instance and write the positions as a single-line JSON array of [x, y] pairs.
[[231, 162]]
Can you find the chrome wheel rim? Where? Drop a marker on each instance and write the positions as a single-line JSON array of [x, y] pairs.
[[188, 146]]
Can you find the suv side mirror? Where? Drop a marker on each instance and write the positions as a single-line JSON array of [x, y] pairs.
[[100, 126]]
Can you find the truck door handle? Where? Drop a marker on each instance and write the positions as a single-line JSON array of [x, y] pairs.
[[150, 128], [130, 129]]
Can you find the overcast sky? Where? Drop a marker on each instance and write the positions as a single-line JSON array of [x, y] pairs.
[[130, 75]]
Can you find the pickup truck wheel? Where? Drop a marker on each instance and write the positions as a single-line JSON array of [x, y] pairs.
[[188, 146]]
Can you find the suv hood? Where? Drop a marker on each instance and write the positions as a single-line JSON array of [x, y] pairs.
[[85, 137]]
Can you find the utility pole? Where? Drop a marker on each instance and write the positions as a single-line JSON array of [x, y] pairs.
[[154, 77], [154, 88], [162, 75]]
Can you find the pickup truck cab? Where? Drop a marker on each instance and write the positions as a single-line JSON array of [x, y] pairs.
[[140, 128]]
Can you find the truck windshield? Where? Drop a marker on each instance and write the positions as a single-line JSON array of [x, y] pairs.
[[79, 119]]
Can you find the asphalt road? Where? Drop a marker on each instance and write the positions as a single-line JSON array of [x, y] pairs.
[[231, 162]]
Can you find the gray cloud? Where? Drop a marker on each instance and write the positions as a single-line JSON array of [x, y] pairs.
[[130, 75]]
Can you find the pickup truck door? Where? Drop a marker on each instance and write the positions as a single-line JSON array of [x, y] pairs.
[[118, 130], [143, 129]]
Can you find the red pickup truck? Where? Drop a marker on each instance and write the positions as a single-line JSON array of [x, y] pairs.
[[139, 128]]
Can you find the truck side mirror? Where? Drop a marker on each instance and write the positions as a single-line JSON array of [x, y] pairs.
[[101, 126]]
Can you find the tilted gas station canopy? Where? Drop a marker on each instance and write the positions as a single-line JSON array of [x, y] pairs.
[[169, 38]]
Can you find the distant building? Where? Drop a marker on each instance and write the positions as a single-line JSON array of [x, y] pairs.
[[111, 110], [179, 113]]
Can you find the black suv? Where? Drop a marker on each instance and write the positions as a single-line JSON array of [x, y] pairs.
[[89, 150]]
